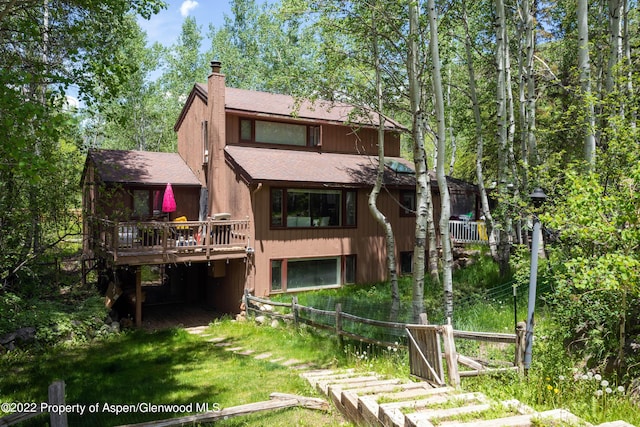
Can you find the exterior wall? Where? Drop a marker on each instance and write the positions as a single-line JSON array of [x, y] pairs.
[[190, 140], [335, 139], [366, 241]]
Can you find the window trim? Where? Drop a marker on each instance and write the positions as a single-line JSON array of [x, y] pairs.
[[284, 208], [312, 130]]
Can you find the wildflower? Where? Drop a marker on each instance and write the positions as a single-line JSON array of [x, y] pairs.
[[621, 389], [598, 393], [549, 387], [561, 377], [608, 390], [597, 377], [548, 379], [590, 374], [604, 383], [585, 377], [556, 391]]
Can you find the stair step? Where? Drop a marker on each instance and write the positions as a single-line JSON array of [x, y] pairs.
[[418, 418], [518, 420], [390, 414]]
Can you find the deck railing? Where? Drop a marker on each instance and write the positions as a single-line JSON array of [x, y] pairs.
[[153, 237], [463, 231]]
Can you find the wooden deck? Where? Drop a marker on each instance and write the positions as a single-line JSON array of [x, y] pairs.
[[155, 242]]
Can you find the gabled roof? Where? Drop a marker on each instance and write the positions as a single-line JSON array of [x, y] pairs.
[[141, 167], [312, 167], [272, 105]]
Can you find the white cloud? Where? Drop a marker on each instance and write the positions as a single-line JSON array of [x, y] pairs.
[[187, 6]]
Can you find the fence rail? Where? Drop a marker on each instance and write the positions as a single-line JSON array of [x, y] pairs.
[[422, 340]]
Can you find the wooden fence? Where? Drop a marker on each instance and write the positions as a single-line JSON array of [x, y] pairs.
[[423, 340], [56, 399], [338, 317]]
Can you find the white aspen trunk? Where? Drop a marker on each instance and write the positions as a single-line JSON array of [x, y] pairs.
[[528, 14], [502, 131], [484, 200], [375, 191], [452, 139], [445, 205], [615, 41], [425, 228], [584, 66], [627, 56]]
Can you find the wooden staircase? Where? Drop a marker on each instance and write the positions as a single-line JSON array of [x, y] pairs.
[[368, 399]]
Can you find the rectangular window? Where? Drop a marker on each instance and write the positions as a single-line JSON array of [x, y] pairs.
[[276, 275], [313, 208], [350, 207], [406, 262], [407, 203], [296, 274], [276, 208], [279, 133], [314, 136], [306, 273], [349, 269], [205, 141], [246, 130], [141, 203]]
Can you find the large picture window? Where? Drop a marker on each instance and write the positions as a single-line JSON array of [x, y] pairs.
[[147, 203], [296, 274], [313, 208], [279, 133]]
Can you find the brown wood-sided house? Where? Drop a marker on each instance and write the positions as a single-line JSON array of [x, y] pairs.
[[274, 191]]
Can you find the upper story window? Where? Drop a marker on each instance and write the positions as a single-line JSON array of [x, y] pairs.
[[313, 208], [279, 133], [407, 203]]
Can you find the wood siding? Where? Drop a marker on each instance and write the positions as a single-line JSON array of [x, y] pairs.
[[190, 143], [366, 241]]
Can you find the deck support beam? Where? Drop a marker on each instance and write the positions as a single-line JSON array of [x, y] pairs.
[[138, 296]]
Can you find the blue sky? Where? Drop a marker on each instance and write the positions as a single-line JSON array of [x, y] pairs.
[[165, 26]]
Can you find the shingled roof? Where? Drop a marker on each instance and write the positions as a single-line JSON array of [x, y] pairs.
[[312, 167], [274, 105], [141, 167]]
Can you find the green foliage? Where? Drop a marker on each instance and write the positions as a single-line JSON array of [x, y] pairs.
[[597, 266]]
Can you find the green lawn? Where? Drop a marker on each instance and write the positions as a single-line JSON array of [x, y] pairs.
[[173, 367]]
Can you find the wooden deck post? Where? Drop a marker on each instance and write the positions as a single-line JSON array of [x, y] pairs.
[[138, 296]]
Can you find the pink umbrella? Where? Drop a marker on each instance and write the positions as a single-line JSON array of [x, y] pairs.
[[168, 201]]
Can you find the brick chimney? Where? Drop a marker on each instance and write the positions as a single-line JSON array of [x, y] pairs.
[[217, 137]]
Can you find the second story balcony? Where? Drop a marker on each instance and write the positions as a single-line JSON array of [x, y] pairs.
[[159, 242]]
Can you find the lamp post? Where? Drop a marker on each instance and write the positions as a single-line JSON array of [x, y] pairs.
[[537, 197]]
